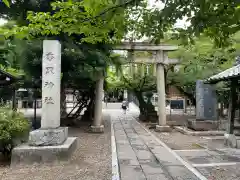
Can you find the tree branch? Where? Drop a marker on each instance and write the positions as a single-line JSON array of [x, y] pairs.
[[108, 10]]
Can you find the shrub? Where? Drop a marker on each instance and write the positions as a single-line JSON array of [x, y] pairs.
[[13, 130]]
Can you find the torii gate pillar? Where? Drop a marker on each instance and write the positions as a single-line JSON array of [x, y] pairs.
[[160, 60]]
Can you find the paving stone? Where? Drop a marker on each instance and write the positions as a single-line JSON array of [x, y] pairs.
[[129, 132], [144, 154], [213, 159], [121, 146], [146, 161], [121, 137], [152, 168], [139, 147], [127, 152], [157, 177], [136, 142], [150, 142], [157, 149], [193, 153], [122, 142], [127, 155], [141, 157], [181, 173], [130, 162], [120, 132], [216, 152], [131, 173], [166, 158], [199, 160], [227, 158], [132, 135], [152, 145]]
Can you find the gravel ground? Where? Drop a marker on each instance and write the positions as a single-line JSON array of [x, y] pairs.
[[178, 141], [221, 173], [90, 161]]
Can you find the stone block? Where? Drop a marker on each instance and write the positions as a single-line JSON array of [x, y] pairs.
[[131, 172], [144, 154], [97, 129], [157, 177], [163, 128], [202, 125], [166, 158], [198, 133], [230, 140], [238, 143], [48, 137], [27, 155], [181, 171], [129, 162], [152, 168]]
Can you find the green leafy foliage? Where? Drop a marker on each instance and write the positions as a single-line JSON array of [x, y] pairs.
[[6, 3], [81, 61], [198, 62], [137, 83], [13, 129], [218, 19], [86, 18]]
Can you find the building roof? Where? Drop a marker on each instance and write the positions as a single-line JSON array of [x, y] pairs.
[[7, 78], [228, 74]]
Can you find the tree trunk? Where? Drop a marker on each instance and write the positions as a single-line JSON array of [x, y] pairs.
[[142, 103], [63, 104], [221, 114], [88, 114]]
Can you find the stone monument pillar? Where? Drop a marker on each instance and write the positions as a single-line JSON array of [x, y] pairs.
[[206, 108], [50, 133], [206, 101], [161, 58], [97, 126], [51, 141]]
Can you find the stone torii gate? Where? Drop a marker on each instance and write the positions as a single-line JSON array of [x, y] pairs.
[[160, 59]]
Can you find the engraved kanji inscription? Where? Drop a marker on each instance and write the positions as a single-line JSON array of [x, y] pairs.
[[49, 70], [48, 100], [48, 84], [49, 56]]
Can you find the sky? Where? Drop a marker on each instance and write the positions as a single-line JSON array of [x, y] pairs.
[[2, 21], [159, 4]]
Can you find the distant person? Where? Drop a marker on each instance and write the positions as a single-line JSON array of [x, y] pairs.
[[124, 105], [106, 99]]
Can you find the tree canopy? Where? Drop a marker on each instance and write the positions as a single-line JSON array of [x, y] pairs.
[[95, 20], [198, 62], [86, 27]]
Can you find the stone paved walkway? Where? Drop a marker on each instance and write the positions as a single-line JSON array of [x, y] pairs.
[[141, 157]]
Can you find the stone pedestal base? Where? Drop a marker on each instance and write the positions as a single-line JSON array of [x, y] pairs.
[[48, 137], [27, 155], [163, 128], [97, 129], [202, 125], [230, 140]]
